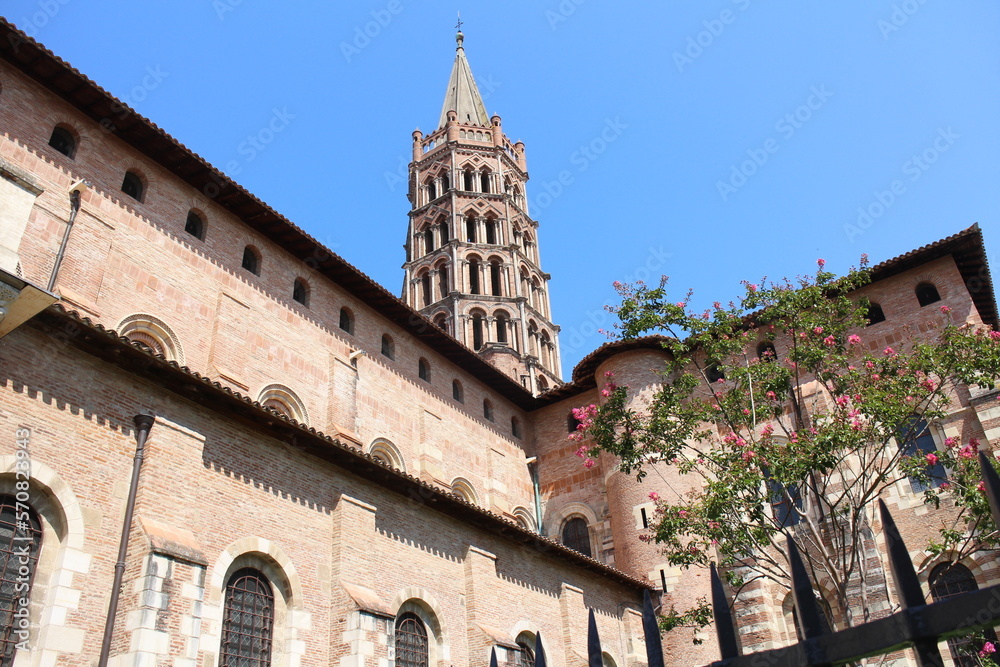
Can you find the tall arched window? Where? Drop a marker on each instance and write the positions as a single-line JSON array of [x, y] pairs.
[[927, 294], [441, 321], [248, 624], [300, 291], [445, 183], [487, 410], [443, 286], [478, 331], [388, 347], [428, 240], [457, 392], [946, 580], [525, 655], [470, 180], [19, 539], [411, 641], [485, 179], [474, 270], [194, 225], [424, 370], [576, 536], [503, 326], [496, 285], [425, 288], [431, 190], [444, 233], [491, 231], [470, 229]]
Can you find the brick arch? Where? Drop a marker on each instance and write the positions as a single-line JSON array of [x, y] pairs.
[[415, 598], [283, 394], [291, 622], [57, 493], [146, 329]]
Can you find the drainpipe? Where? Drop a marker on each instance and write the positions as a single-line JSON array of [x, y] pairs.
[[143, 423], [74, 207], [533, 470]]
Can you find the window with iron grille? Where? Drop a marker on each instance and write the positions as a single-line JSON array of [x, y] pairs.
[[946, 580], [411, 641], [525, 656], [915, 439], [248, 623], [20, 536]]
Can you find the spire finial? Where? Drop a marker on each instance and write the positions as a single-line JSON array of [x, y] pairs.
[[459, 37]]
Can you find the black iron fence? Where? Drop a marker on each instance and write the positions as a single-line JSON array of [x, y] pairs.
[[916, 625]]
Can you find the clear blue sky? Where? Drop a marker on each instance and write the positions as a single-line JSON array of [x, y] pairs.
[[648, 108]]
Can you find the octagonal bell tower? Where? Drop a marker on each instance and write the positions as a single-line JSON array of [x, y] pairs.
[[472, 262]]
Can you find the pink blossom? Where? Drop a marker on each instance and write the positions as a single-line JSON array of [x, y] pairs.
[[746, 411], [830, 341], [967, 452], [749, 454], [932, 459], [582, 452], [856, 425], [869, 365], [680, 304], [771, 395], [713, 525], [752, 287], [854, 339], [716, 305], [950, 441], [974, 442], [682, 513], [721, 381], [876, 376], [981, 486], [889, 352], [616, 284], [609, 374], [842, 400], [654, 496], [821, 263], [995, 335], [945, 309], [944, 486], [818, 330], [767, 430], [988, 648], [589, 463]]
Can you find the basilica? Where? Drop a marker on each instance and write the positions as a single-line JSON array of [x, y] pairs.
[[223, 444]]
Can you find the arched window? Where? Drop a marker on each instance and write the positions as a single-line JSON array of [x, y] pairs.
[[525, 655], [915, 439], [515, 427], [441, 321], [825, 614], [411, 641], [300, 291], [248, 623], [766, 351], [487, 410], [425, 288], [485, 180], [347, 320], [62, 140], [428, 240], [495, 282], [713, 373], [785, 501], [576, 536], [470, 180], [251, 260], [445, 183], [444, 233], [470, 229], [132, 185], [457, 392], [946, 580], [20, 541], [386, 452], [502, 321], [431, 190], [195, 226], [927, 294], [474, 287], [443, 286], [543, 384], [533, 338], [283, 400], [388, 347], [478, 326], [546, 345], [491, 231], [875, 314], [463, 489], [424, 370]]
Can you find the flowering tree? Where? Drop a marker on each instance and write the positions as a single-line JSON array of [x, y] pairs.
[[789, 427]]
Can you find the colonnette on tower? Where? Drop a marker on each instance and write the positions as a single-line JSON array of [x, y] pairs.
[[328, 478]]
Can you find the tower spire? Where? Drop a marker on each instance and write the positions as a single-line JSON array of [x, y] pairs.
[[462, 95]]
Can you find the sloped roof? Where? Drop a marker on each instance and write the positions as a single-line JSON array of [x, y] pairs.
[[463, 94], [119, 119]]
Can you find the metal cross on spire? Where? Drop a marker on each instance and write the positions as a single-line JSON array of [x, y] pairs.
[[459, 25]]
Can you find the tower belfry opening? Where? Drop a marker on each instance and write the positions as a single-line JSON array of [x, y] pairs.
[[473, 264]]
